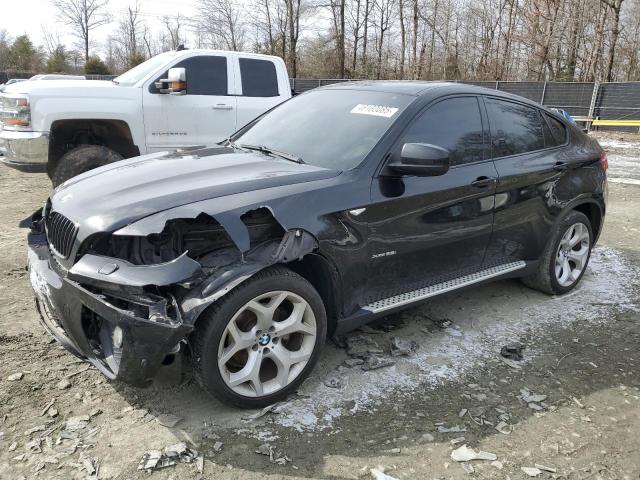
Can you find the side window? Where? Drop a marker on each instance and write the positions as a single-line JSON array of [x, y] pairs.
[[515, 128], [558, 131], [206, 75], [454, 124], [259, 78]]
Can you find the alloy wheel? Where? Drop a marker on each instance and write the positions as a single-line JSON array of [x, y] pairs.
[[267, 343], [572, 254]]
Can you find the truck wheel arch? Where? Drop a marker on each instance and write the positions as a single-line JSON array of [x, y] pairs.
[[68, 134]]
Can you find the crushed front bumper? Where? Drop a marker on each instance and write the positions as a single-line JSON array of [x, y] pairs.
[[24, 151], [127, 337]]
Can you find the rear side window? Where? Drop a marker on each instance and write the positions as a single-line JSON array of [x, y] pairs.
[[259, 78], [515, 128], [557, 130], [206, 75], [454, 124]]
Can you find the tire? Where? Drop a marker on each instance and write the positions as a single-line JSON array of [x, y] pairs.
[[548, 278], [82, 159], [235, 312]]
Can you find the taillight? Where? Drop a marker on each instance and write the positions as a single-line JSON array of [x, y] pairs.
[[604, 161]]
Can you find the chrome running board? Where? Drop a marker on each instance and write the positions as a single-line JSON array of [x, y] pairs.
[[439, 288]]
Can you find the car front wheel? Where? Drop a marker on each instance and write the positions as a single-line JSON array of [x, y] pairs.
[[256, 345], [565, 257]]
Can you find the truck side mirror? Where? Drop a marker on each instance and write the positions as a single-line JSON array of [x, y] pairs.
[[175, 83]]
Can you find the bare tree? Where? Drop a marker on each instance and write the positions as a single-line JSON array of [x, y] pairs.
[[221, 21], [83, 16], [615, 6]]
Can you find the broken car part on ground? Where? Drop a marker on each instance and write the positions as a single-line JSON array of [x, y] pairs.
[[243, 257]]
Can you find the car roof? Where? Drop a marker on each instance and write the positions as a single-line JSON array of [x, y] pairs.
[[422, 88]]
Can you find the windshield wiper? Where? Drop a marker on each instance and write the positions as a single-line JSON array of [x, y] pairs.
[[270, 151]]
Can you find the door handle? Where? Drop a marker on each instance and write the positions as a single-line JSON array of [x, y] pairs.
[[560, 166], [482, 182], [222, 106]]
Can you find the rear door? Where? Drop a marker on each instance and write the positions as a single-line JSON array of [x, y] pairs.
[[424, 230], [258, 88], [205, 115], [528, 153]]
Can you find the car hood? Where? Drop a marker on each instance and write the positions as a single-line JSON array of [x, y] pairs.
[[115, 195], [52, 86]]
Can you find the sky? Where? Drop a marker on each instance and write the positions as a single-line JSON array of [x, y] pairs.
[[29, 16]]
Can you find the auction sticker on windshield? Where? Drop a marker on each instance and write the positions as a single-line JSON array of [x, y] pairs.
[[375, 110]]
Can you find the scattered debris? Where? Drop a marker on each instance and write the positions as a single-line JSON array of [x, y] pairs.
[[217, 447], [13, 446], [504, 428], [73, 374], [168, 420], [374, 362], [463, 412], [275, 456], [545, 468], [362, 346], [353, 362], [577, 402], [37, 428], [378, 474], [63, 384], [510, 363], [457, 440], [157, 459], [454, 429], [77, 423], [200, 463], [402, 346], [531, 471], [91, 466], [47, 407], [512, 351], [275, 408], [333, 381], [465, 454], [529, 397], [34, 446], [15, 376], [498, 464], [535, 406], [442, 323]]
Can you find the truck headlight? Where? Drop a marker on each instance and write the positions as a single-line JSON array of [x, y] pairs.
[[15, 112]]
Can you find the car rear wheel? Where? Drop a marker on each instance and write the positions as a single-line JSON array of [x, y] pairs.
[[256, 345], [82, 159], [565, 257]]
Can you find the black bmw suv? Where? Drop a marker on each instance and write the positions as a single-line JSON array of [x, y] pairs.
[[339, 206]]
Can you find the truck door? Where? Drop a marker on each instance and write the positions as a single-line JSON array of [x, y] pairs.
[[205, 115]]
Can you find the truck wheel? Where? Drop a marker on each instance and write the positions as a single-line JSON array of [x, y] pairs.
[[258, 343], [565, 257], [80, 160]]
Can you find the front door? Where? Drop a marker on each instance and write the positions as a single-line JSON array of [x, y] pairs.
[[424, 230], [204, 116]]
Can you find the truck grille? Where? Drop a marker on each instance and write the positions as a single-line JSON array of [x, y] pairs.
[[61, 233]]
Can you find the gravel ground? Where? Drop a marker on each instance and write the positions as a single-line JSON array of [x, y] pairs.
[[581, 355]]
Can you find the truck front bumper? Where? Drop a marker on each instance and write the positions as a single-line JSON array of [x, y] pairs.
[[25, 151], [100, 328]]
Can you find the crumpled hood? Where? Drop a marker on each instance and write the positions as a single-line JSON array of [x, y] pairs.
[[113, 196]]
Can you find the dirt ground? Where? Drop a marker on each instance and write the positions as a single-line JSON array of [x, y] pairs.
[[581, 355]]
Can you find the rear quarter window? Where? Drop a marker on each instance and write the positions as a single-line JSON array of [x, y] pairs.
[[259, 78], [557, 131], [515, 128]]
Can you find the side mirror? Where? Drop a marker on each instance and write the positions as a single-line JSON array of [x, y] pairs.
[[421, 159], [175, 83]]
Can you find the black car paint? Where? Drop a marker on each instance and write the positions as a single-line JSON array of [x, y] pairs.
[[412, 231]]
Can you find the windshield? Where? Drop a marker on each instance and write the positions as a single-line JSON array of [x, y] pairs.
[[137, 73], [328, 128]]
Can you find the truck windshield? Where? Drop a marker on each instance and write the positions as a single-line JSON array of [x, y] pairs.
[[139, 72], [327, 128]]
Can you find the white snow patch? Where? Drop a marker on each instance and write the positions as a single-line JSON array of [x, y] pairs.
[[488, 316]]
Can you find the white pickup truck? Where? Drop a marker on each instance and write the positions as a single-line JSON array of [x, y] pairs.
[[177, 99]]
